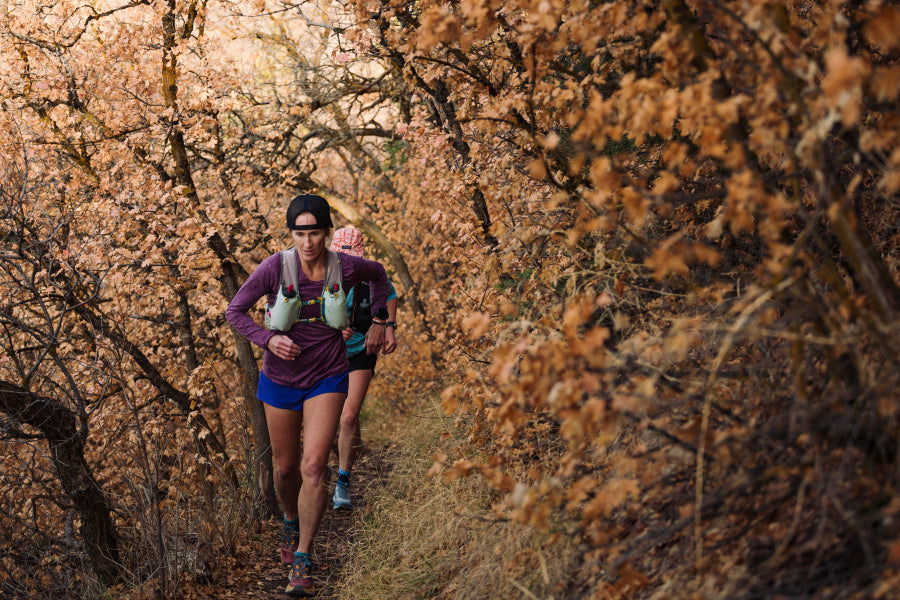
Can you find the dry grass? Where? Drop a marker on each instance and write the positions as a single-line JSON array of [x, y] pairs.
[[425, 537]]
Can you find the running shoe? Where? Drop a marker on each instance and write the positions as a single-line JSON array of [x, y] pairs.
[[290, 539], [301, 581], [341, 495]]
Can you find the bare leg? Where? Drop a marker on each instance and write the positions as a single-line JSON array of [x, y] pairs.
[[320, 422], [284, 434], [350, 437]]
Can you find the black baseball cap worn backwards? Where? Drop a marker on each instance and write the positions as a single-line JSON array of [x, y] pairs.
[[315, 205]]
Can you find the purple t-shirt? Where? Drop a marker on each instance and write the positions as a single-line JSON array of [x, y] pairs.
[[322, 350]]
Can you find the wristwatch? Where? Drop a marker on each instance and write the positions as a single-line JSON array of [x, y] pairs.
[[392, 324]]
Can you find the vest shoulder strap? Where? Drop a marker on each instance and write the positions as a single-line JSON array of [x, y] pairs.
[[289, 274], [333, 272]]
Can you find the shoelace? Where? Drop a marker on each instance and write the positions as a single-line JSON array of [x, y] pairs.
[[301, 568]]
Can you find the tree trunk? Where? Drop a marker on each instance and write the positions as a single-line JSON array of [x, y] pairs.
[[66, 444], [265, 484], [231, 269]]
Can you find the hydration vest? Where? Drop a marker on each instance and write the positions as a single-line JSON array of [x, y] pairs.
[[285, 311]]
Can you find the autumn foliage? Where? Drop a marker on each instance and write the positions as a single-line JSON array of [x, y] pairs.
[[647, 254]]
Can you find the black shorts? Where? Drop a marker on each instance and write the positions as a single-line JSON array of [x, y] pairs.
[[363, 361]]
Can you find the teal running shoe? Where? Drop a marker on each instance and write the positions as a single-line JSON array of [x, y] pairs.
[[342, 496]]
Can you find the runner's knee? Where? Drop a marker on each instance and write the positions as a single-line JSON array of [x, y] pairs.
[[314, 470], [349, 421], [284, 470]]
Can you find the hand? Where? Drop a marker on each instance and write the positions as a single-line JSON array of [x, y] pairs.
[[347, 332], [375, 339], [282, 347], [390, 341]]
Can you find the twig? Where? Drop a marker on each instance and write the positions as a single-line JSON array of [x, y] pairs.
[[724, 349]]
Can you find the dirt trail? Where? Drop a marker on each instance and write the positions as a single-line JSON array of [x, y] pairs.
[[259, 572]]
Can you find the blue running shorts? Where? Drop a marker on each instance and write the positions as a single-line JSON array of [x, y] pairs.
[[282, 396]]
